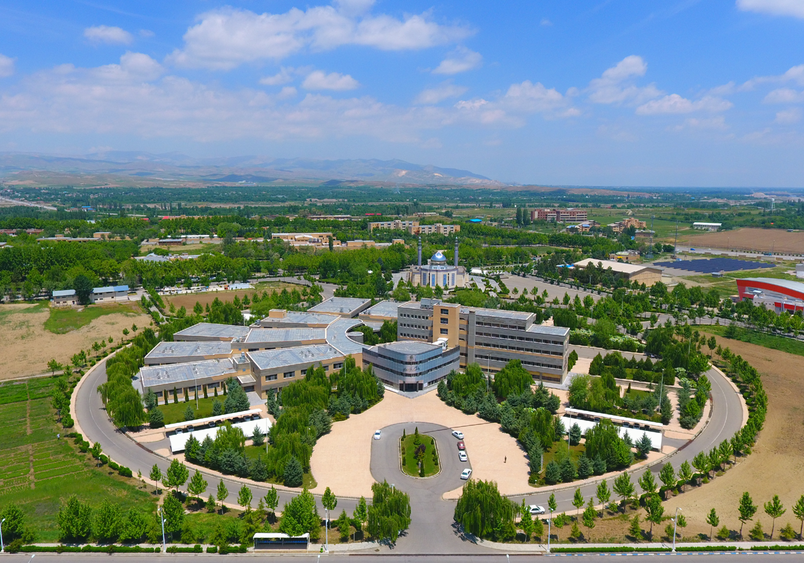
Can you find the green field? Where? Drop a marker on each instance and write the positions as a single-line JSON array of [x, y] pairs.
[[39, 470], [175, 412], [66, 319], [408, 449], [760, 339]]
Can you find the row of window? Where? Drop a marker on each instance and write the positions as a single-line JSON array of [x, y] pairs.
[[519, 338], [526, 363], [518, 349], [415, 336], [292, 374]]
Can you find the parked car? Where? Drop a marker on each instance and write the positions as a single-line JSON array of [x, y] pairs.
[[458, 434], [535, 509], [378, 434], [461, 445], [466, 473], [462, 456]]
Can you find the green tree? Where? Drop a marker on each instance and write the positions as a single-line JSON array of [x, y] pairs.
[[713, 520], [552, 473], [603, 493], [668, 475], [300, 516], [244, 497], [75, 521], [217, 406], [623, 487], [173, 512], [14, 524], [647, 482], [328, 500], [589, 515], [635, 530], [798, 510], [53, 366], [484, 512], [293, 474], [106, 522], [223, 492], [526, 522], [685, 472], [654, 511], [747, 509], [177, 474], [156, 476], [197, 484], [156, 418], [361, 511], [257, 438], [774, 509], [271, 499], [189, 413], [552, 504], [83, 288], [577, 500]]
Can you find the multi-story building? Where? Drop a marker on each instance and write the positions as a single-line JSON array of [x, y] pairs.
[[411, 366], [626, 224], [558, 215], [396, 224], [489, 337], [414, 228]]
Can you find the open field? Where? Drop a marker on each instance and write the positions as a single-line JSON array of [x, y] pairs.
[[776, 466], [66, 319], [39, 470], [189, 300], [758, 240], [27, 345], [771, 341]]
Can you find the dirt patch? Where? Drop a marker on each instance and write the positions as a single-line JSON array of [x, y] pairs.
[[189, 300], [26, 347], [776, 466], [757, 240]]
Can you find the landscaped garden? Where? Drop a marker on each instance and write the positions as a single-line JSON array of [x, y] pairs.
[[419, 454]]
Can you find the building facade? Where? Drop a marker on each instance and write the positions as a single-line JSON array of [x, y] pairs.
[[109, 294], [558, 215], [65, 298], [488, 337], [411, 366], [775, 294], [437, 272]]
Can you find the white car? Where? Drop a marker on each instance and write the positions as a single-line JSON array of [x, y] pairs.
[[458, 434], [535, 509], [462, 456], [378, 434], [466, 473]]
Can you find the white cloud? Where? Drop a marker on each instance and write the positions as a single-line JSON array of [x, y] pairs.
[[716, 123], [108, 34], [531, 97], [677, 104], [615, 85], [226, 38], [286, 92], [146, 33], [784, 96], [459, 60], [471, 105], [6, 66], [284, 76], [545, 22], [318, 80], [786, 117], [440, 93], [793, 8], [794, 74]]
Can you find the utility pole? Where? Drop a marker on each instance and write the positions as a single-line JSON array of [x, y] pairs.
[[675, 523], [675, 244], [162, 520], [549, 523]]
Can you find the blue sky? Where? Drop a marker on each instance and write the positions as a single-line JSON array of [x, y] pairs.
[[604, 92]]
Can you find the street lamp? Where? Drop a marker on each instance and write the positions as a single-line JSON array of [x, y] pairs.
[[162, 521], [326, 531], [675, 523], [2, 545], [549, 525]]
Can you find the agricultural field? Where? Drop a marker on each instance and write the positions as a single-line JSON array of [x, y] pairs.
[[28, 345], [756, 240], [39, 469], [727, 284], [189, 300]]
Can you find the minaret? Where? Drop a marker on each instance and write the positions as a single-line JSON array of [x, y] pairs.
[[456, 252], [420, 254]]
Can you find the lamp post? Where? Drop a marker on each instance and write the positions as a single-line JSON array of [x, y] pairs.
[[162, 521], [326, 531], [675, 523], [2, 545], [549, 526]]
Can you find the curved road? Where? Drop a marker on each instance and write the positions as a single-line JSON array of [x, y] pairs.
[[432, 529]]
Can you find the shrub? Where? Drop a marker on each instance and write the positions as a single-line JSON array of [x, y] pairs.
[[723, 533], [125, 472]]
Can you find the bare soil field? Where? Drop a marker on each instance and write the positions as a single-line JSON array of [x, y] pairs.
[[759, 240], [26, 347], [188, 300], [776, 466]]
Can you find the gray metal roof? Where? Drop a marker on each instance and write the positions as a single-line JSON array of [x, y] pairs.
[[63, 293], [285, 334], [211, 330], [189, 349], [298, 318], [382, 309], [410, 347], [552, 330], [502, 313], [336, 336], [282, 357], [151, 376], [340, 305]]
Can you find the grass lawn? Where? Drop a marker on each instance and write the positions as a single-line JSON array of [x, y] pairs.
[[550, 455], [66, 319], [39, 471], [175, 412], [760, 339], [408, 450], [253, 452]]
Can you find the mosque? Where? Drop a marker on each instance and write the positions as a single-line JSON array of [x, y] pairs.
[[437, 272]]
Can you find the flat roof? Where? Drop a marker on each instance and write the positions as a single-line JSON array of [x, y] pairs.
[[340, 305], [502, 313], [285, 335], [190, 348], [212, 330], [787, 284], [383, 309], [189, 371], [553, 330], [206, 420], [409, 347], [178, 441], [299, 317], [336, 336], [620, 267], [110, 289], [63, 292], [280, 357]]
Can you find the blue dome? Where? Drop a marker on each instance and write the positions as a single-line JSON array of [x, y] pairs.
[[438, 257]]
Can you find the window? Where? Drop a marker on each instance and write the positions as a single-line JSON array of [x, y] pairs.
[[270, 377], [444, 321], [337, 366], [445, 311], [288, 374], [444, 331]]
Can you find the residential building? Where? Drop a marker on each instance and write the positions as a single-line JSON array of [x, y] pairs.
[[411, 366], [626, 224], [397, 225], [489, 337], [558, 215], [415, 228], [648, 275]]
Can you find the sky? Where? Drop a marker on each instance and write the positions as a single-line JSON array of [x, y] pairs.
[[597, 92]]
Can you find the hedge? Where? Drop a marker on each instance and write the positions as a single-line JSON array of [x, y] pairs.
[[613, 549], [176, 549], [88, 549]]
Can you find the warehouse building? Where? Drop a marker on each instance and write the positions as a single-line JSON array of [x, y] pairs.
[[65, 298], [489, 337], [648, 275], [109, 294]]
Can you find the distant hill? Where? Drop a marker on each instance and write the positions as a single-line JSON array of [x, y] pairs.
[[142, 168]]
